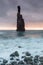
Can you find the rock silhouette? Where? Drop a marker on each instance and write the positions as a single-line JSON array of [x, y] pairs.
[[20, 21]]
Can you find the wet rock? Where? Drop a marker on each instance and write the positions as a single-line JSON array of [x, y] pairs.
[[37, 56], [41, 60], [28, 60], [36, 59], [8, 64], [3, 64], [20, 62], [5, 61], [12, 55], [19, 47], [17, 59], [41, 64], [11, 58], [28, 54], [15, 54], [14, 63], [23, 57]]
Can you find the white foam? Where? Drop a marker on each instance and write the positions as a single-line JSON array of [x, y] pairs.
[[33, 45]]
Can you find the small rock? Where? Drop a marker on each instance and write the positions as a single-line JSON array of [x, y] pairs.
[[28, 60], [37, 56], [23, 57], [3, 64], [41, 59], [15, 54], [11, 58], [36, 59], [5, 61], [8, 64], [17, 59], [14, 63], [12, 55], [20, 62], [28, 54], [19, 47]]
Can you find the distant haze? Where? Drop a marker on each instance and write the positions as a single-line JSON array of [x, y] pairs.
[[32, 11]]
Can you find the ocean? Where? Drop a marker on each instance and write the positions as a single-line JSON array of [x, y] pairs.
[[30, 40]]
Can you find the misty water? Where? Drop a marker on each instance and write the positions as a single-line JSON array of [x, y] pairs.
[[31, 41]]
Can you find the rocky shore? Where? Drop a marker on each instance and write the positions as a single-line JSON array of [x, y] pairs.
[[26, 59]]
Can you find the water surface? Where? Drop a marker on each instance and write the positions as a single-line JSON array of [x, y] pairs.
[[31, 41]]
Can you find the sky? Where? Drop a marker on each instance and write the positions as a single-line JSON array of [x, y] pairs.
[[32, 11]]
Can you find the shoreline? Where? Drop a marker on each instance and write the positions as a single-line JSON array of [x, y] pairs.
[[26, 59]]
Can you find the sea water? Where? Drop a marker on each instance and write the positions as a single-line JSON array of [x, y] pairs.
[[30, 40]]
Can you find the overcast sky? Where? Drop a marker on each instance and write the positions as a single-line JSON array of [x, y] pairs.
[[32, 11]]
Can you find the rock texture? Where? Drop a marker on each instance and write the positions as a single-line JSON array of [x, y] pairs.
[[27, 59], [20, 21]]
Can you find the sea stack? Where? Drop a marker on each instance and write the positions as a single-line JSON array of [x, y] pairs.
[[20, 20]]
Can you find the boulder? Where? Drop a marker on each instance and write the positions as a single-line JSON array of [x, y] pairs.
[[28, 60], [19, 47], [11, 58], [36, 59], [5, 61], [27, 54], [20, 62], [15, 54], [23, 57], [41, 60], [17, 59], [14, 63]]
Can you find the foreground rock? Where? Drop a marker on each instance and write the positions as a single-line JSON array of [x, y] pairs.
[[3, 61], [41, 60], [15, 54], [19, 47], [27, 54], [21, 62], [36, 60], [27, 59]]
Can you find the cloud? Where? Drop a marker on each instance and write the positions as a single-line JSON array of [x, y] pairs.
[[32, 11], [26, 5]]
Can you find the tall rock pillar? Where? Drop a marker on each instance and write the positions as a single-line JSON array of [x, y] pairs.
[[20, 21]]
